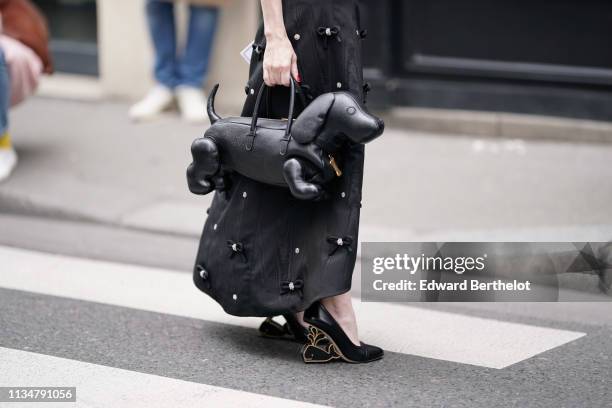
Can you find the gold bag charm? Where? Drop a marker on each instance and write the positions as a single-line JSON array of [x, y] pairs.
[[332, 162]]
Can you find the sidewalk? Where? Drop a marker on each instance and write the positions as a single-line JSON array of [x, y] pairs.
[[86, 161]]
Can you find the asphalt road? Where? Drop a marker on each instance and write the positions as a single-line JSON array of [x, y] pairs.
[[155, 338]]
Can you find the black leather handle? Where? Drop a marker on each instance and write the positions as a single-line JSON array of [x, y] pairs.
[[253, 131]]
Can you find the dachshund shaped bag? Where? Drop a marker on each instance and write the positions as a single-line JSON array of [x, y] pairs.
[[298, 155]]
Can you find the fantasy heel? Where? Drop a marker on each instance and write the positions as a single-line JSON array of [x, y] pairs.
[[327, 341], [318, 348]]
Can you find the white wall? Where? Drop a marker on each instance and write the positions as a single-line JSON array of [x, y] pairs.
[[126, 59]]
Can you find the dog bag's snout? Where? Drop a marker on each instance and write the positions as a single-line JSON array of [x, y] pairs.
[[381, 126], [377, 131]]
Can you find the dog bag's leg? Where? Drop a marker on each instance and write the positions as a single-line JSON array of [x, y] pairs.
[[294, 173], [205, 166]]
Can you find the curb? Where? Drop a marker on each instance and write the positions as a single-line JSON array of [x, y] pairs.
[[499, 125], [440, 121]]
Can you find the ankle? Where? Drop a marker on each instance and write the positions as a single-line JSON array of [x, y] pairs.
[[299, 316], [348, 323], [344, 316], [339, 310]]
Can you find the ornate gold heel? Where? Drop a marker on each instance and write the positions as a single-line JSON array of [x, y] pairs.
[[339, 346], [319, 348]]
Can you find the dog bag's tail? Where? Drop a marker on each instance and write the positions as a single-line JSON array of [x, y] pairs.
[[212, 115]]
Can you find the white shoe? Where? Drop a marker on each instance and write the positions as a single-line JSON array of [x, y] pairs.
[[159, 99], [8, 161], [192, 104]]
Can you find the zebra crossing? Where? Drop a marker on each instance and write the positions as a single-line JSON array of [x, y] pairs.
[[115, 387], [437, 338]]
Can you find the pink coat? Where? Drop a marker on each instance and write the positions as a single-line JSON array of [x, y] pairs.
[[24, 67]]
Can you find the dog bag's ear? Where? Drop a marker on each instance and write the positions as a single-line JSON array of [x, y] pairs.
[[311, 121]]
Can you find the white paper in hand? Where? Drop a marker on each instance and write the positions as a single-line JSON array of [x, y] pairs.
[[247, 52]]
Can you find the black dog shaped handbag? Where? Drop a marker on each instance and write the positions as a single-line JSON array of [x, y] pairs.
[[298, 155]]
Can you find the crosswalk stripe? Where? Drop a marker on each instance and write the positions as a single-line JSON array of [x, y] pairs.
[[102, 386], [397, 328]]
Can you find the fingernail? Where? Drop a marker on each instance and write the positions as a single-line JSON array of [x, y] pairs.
[[299, 78]]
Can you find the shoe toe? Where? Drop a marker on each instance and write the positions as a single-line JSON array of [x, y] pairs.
[[271, 328], [373, 352]]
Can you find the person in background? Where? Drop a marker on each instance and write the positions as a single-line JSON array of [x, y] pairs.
[[24, 57], [181, 76], [8, 157]]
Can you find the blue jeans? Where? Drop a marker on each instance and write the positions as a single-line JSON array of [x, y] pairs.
[[5, 94], [191, 67]]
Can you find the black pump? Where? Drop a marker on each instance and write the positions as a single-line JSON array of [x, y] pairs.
[[292, 330], [327, 341]]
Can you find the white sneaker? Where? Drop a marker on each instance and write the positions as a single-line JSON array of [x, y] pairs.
[[8, 161], [192, 104], [155, 102]]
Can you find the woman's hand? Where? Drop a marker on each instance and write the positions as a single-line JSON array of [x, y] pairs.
[[280, 61]]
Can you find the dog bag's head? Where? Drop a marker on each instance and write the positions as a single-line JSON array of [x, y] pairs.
[[336, 115]]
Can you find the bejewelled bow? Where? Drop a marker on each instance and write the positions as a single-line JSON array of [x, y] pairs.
[[329, 32], [237, 248], [292, 286], [340, 242]]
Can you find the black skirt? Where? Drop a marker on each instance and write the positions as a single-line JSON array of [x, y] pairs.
[[289, 253]]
